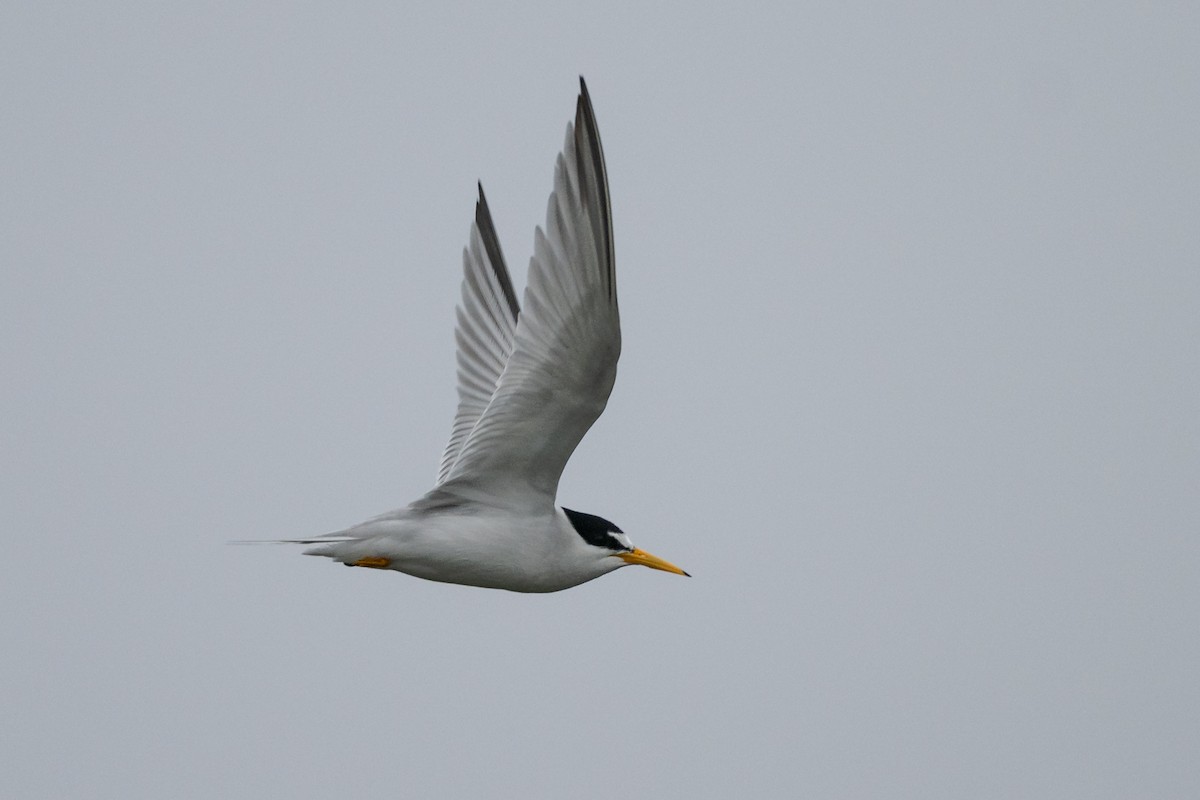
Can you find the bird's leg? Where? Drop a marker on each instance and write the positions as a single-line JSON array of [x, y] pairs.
[[375, 562]]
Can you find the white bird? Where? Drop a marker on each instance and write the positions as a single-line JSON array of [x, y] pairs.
[[530, 384]]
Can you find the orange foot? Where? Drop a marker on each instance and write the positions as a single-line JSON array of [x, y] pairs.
[[375, 562]]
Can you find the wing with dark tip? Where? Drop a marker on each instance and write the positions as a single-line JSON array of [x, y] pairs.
[[568, 339], [487, 323]]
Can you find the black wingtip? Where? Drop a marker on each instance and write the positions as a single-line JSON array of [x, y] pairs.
[[482, 215], [584, 108], [587, 146], [491, 245], [481, 205]]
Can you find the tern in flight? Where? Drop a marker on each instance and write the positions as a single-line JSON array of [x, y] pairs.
[[531, 382]]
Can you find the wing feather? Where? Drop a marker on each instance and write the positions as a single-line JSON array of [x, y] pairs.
[[487, 322], [563, 361]]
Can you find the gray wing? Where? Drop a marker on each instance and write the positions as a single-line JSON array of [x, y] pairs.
[[487, 323], [568, 339]]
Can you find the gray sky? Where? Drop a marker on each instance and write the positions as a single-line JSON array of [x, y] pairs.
[[911, 384]]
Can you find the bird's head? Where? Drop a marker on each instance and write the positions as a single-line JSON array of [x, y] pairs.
[[611, 542]]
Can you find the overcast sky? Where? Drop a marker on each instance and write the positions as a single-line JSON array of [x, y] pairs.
[[911, 384]]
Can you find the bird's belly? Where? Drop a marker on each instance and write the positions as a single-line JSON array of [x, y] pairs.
[[521, 555]]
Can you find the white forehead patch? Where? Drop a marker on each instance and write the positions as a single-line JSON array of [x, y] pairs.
[[622, 538]]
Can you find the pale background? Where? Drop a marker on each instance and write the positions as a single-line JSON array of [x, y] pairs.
[[911, 384]]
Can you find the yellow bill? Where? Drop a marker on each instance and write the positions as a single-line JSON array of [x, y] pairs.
[[640, 556]]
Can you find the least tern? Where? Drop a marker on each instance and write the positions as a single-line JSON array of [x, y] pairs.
[[530, 384]]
